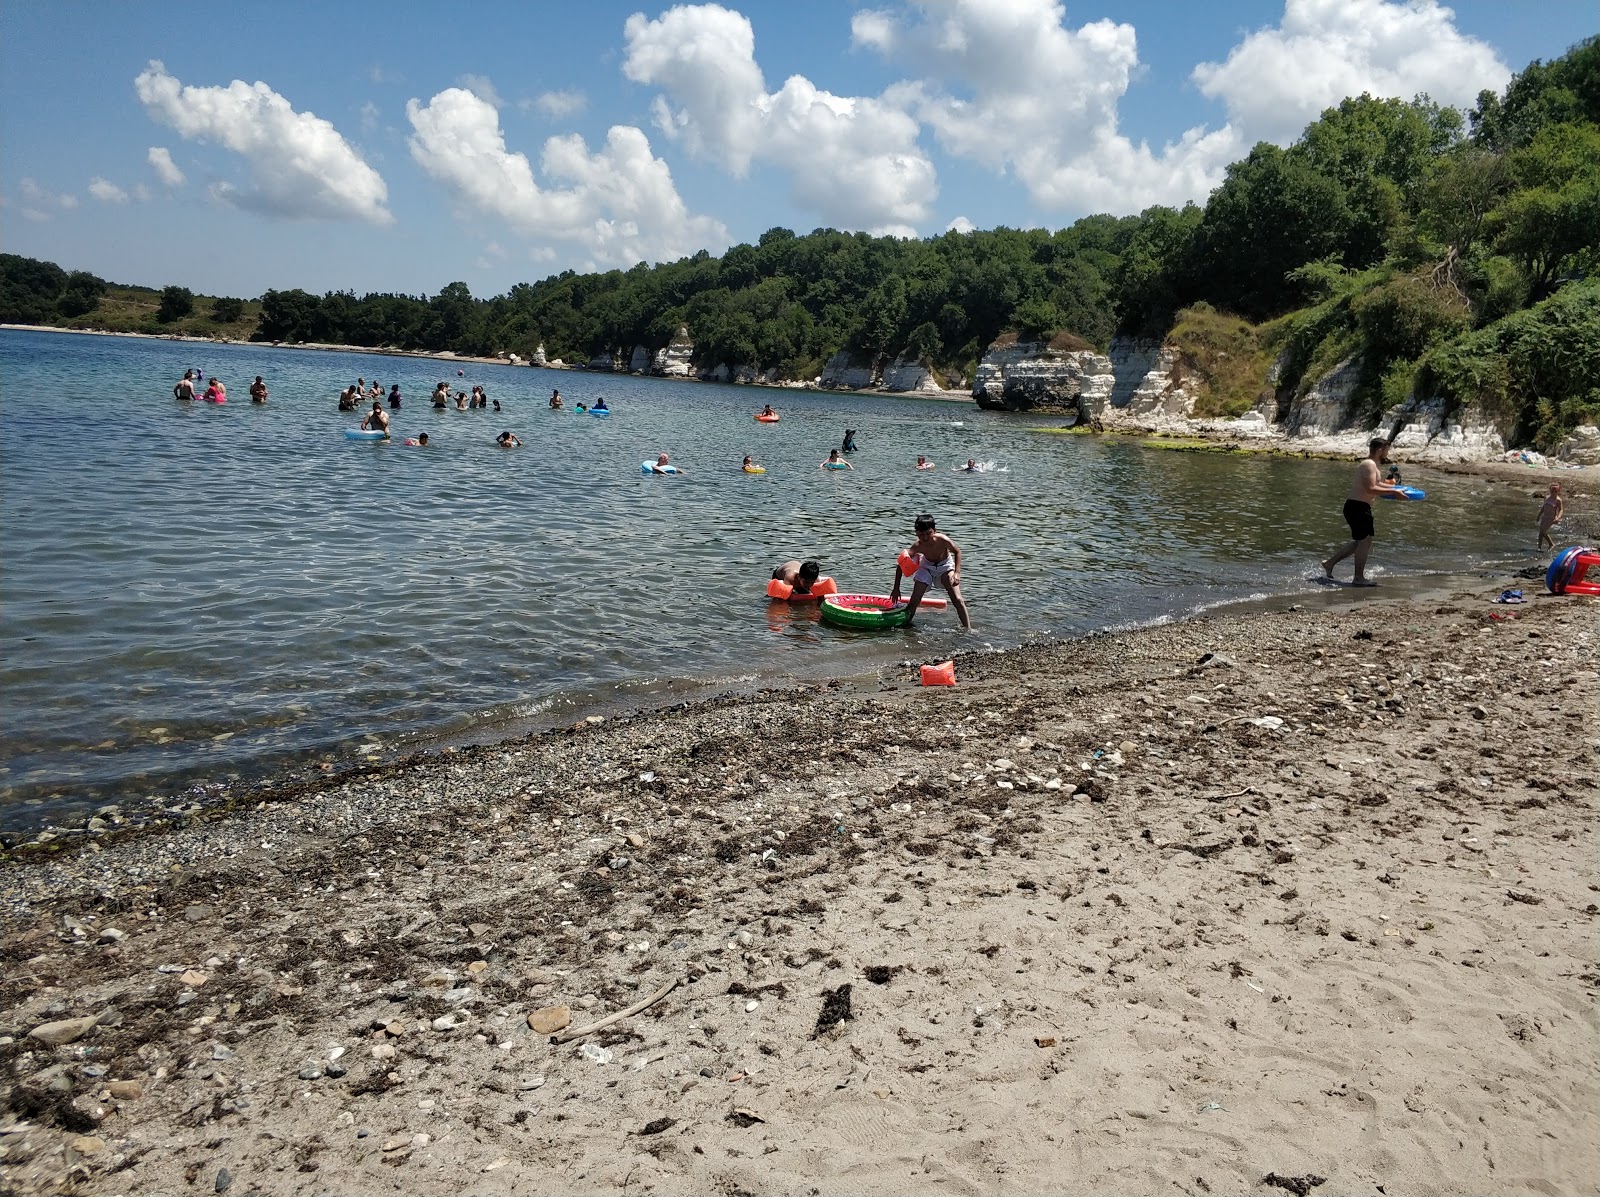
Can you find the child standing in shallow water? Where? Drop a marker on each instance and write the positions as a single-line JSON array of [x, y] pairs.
[[1550, 515], [938, 560]]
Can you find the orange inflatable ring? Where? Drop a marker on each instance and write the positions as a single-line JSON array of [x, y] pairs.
[[764, 419], [781, 590]]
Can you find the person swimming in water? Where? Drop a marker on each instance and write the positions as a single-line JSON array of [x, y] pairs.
[[802, 575], [441, 395], [970, 468], [600, 404], [185, 388], [508, 440], [420, 440], [258, 391], [555, 401], [835, 462], [849, 443], [664, 465], [377, 420], [394, 396]]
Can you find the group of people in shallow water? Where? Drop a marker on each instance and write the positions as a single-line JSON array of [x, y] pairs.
[[932, 560], [359, 392], [187, 389], [557, 403]]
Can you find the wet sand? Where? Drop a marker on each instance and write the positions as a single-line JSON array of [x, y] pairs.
[[1244, 904]]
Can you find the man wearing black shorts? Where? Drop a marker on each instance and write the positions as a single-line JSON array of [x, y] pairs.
[[1368, 484]]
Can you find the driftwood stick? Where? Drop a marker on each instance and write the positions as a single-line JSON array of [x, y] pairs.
[[578, 1033], [1225, 797]]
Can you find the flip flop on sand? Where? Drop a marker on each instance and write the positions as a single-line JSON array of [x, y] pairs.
[[1509, 596]]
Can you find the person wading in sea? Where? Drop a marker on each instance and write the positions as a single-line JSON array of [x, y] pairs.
[[1366, 486]]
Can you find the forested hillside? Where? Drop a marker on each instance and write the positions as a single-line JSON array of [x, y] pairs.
[[1442, 251]]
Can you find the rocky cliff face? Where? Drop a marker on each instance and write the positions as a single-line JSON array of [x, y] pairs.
[[905, 375], [639, 360], [847, 372], [673, 359], [1034, 376], [1147, 387]]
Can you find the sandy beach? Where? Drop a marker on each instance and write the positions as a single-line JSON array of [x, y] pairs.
[[1252, 903]]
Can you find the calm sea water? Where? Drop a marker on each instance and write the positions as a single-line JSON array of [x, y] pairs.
[[197, 595]]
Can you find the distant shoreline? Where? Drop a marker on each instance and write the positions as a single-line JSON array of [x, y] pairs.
[[446, 355]]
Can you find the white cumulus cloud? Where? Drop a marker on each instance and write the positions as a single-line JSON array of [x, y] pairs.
[[480, 86], [300, 166], [1278, 80], [1011, 87], [618, 204], [38, 201], [960, 225], [558, 104], [106, 191], [160, 159], [852, 159]]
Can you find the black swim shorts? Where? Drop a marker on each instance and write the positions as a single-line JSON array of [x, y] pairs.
[[1359, 516]]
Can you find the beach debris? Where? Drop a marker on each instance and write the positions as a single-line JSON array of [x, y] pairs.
[[1234, 794], [1270, 722], [193, 978], [882, 974], [1044, 1041], [657, 1125], [740, 1116], [835, 1009], [1208, 1107], [752, 1006], [593, 1051], [126, 1090], [1517, 895], [1298, 1185], [550, 1019], [644, 1004]]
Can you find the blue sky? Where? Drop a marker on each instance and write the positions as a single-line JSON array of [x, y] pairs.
[[401, 146]]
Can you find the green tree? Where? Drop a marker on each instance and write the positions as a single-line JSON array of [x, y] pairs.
[[1273, 213], [1037, 319], [81, 295], [176, 303], [226, 311], [287, 316], [29, 289]]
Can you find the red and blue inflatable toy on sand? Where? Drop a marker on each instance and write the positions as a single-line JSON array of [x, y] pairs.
[[1569, 572]]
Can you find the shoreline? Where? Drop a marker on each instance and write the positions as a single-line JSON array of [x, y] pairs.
[[1214, 441], [1136, 905], [176, 807]]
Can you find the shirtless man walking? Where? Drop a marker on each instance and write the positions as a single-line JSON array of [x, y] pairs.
[[1368, 484]]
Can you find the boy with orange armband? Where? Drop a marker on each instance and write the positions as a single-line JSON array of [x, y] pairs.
[[938, 559]]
